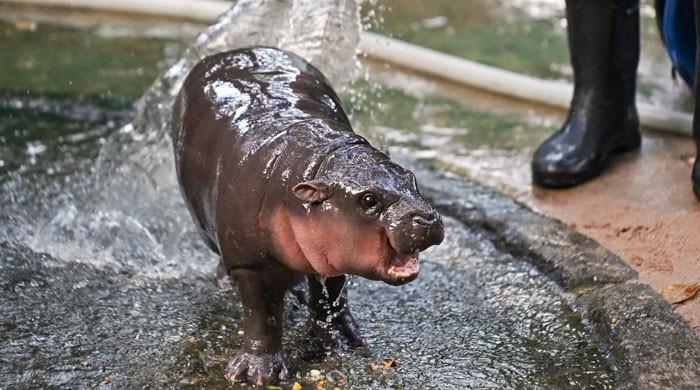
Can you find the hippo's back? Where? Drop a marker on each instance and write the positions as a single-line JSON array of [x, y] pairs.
[[236, 113], [252, 87]]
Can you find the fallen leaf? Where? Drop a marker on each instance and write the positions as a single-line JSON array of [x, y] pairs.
[[678, 293], [391, 362], [296, 386], [25, 26], [321, 385]]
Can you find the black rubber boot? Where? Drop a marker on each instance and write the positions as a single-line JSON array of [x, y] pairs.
[[604, 44], [696, 117]]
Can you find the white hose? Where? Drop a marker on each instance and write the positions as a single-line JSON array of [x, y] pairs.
[[549, 92], [428, 61], [199, 10]]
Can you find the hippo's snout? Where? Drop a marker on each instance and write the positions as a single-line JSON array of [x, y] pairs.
[[418, 231]]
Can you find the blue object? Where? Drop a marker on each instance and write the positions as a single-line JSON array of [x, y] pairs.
[[678, 30]]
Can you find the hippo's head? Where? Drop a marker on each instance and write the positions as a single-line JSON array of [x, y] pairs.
[[366, 217]]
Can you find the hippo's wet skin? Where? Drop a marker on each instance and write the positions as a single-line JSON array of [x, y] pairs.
[[281, 187]]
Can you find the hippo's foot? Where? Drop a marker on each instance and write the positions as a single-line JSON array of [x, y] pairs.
[[343, 326], [348, 329], [257, 369]]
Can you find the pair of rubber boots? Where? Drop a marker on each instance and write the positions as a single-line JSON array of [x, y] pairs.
[[604, 44]]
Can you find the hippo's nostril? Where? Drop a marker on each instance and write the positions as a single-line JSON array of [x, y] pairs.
[[421, 220]]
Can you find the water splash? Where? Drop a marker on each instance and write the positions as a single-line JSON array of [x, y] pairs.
[[330, 304]]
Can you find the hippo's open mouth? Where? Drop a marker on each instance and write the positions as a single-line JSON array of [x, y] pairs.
[[401, 268]]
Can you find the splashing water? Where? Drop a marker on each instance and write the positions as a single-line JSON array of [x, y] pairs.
[[129, 212], [329, 305]]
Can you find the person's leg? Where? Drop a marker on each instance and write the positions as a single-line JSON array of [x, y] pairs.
[[696, 120], [604, 45]]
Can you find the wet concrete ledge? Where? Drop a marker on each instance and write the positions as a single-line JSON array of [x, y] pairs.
[[572, 259], [646, 343]]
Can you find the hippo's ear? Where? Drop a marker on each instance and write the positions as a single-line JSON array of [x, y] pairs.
[[312, 191]]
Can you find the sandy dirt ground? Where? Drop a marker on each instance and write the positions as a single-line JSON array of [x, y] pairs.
[[643, 209]]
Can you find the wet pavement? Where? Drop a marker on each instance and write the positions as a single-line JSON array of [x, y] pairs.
[[477, 317], [128, 300]]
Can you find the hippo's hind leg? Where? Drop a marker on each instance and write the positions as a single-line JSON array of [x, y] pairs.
[[261, 360], [328, 303], [221, 277]]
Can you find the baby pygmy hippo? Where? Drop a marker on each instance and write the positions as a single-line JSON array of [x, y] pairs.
[[281, 187]]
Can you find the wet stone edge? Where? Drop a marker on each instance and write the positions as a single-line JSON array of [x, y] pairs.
[[574, 260], [646, 343]]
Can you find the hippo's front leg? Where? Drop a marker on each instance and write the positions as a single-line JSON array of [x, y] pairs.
[[261, 360], [330, 305]]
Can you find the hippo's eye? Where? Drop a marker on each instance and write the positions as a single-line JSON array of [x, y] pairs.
[[369, 203]]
